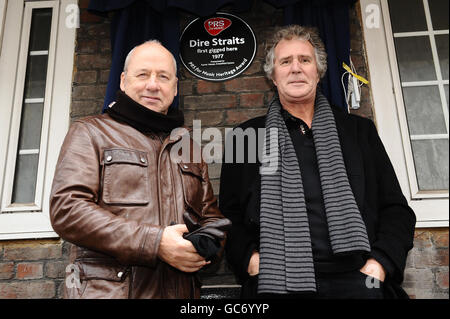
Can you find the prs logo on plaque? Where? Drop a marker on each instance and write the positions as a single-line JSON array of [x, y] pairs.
[[217, 48], [216, 25]]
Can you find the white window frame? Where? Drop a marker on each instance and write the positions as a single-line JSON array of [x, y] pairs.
[[431, 208], [2, 19], [11, 161], [416, 193], [32, 221]]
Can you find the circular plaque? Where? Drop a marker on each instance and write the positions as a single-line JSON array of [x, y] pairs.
[[217, 48]]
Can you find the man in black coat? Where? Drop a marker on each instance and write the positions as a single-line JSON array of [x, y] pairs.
[[319, 213]]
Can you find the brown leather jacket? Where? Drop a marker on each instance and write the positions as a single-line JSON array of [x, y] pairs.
[[114, 191]]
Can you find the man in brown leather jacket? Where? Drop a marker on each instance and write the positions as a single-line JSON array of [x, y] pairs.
[[119, 197]]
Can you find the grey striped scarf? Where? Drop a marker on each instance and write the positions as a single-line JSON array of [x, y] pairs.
[[286, 260]]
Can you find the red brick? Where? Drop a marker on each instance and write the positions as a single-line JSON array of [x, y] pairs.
[[105, 46], [89, 91], [87, 46], [359, 64], [189, 116], [442, 279], [269, 96], [27, 289], [33, 251], [6, 270], [55, 269], [98, 30], [88, 17], [208, 118], [208, 87], [60, 289], [255, 67], [252, 100], [93, 61], [422, 239], [104, 76], [86, 77], [440, 257], [440, 238], [418, 278], [234, 117], [185, 74], [85, 108], [185, 87], [206, 102], [29, 270], [261, 51], [258, 83], [429, 258]]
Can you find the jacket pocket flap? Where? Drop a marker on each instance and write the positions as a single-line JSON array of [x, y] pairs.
[[104, 271], [191, 168], [125, 156]]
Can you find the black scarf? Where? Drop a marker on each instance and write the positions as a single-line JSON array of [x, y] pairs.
[[143, 119], [286, 264]]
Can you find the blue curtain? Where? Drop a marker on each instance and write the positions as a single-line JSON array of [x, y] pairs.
[[331, 18], [135, 21]]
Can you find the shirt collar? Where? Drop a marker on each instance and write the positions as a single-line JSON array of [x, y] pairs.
[[293, 122]]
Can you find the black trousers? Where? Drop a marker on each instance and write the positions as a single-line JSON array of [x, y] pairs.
[[346, 285]]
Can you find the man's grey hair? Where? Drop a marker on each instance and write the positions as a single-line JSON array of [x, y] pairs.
[[296, 32], [152, 41]]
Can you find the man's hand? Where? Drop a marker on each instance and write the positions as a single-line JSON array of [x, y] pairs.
[[179, 252], [374, 269], [253, 265]]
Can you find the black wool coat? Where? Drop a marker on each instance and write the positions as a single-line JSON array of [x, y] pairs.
[[389, 221]]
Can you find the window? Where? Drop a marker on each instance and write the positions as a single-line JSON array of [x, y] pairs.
[[421, 47], [2, 18], [35, 77], [407, 49]]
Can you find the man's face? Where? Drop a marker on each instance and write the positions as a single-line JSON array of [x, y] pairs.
[[150, 78], [295, 71]]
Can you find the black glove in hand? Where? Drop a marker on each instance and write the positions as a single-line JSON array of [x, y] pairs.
[[206, 239]]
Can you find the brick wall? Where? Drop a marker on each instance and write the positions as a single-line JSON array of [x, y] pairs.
[[426, 274], [92, 62], [35, 268], [32, 268]]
